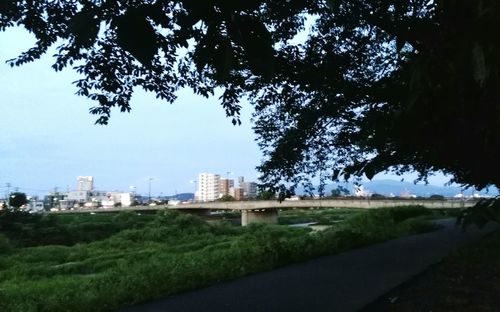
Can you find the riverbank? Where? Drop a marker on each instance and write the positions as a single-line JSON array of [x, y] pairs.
[[344, 282], [101, 262]]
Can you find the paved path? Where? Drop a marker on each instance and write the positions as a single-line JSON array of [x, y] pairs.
[[343, 282]]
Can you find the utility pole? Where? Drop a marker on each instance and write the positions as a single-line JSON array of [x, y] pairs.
[[150, 179], [8, 185], [227, 182]]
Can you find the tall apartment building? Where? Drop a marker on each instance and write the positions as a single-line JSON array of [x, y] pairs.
[[238, 193], [225, 186], [85, 183], [249, 188], [208, 186]]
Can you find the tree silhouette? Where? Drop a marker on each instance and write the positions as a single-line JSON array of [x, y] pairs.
[[17, 199], [340, 191]]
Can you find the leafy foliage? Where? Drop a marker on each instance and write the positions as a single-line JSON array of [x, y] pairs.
[[340, 191], [487, 209], [17, 199], [265, 195], [375, 85], [25, 229], [158, 45], [5, 245], [227, 198], [386, 85]]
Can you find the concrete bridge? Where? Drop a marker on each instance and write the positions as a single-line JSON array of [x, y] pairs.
[[266, 211]]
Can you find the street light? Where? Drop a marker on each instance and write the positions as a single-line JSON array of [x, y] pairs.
[[150, 179], [8, 185]]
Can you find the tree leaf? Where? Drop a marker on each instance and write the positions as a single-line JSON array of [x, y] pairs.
[[480, 71], [257, 42], [84, 27], [136, 35]]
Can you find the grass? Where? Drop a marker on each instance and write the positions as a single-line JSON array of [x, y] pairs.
[[102, 262]]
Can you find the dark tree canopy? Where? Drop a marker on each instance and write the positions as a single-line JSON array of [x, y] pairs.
[[401, 85], [17, 199]]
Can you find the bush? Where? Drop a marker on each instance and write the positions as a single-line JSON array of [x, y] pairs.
[[180, 223], [125, 220], [400, 214], [381, 224], [437, 197], [227, 198], [5, 245]]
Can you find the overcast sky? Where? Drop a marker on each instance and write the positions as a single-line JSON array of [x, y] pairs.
[[48, 138]]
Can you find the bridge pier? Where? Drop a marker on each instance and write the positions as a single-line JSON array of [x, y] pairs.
[[259, 215]]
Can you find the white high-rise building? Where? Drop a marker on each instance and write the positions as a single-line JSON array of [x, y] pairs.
[[85, 183], [208, 187]]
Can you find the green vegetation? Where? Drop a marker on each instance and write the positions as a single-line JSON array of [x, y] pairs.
[[328, 216], [227, 198], [101, 262], [29, 230], [340, 191], [335, 216], [17, 199]]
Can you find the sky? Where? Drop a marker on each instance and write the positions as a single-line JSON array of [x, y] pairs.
[[48, 138]]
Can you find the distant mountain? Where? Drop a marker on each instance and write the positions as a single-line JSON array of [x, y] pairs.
[[391, 187], [181, 196], [387, 187], [397, 188]]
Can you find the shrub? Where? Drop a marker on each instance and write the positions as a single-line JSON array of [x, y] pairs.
[[378, 225], [124, 220], [180, 223], [437, 197], [5, 245], [399, 214]]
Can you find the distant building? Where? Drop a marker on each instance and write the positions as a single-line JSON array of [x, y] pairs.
[[238, 193], [118, 198], [406, 194], [249, 189], [225, 186], [79, 196], [85, 183], [208, 187], [35, 205], [53, 200]]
